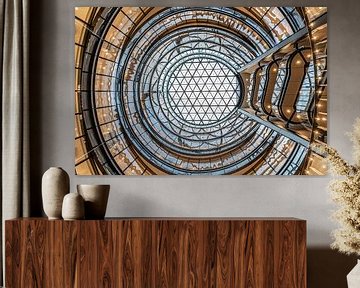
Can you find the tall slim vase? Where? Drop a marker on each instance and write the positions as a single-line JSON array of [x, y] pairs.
[[353, 278], [55, 185]]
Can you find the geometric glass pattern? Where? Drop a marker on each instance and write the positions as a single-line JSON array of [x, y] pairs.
[[203, 91]]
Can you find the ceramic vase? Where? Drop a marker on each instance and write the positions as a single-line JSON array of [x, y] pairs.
[[73, 207], [55, 185], [96, 198], [353, 278]]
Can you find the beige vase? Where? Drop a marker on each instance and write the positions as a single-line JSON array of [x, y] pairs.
[[73, 207], [353, 278], [55, 185], [96, 198]]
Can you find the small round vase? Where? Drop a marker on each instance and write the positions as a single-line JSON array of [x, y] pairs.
[[73, 207], [55, 185], [96, 198]]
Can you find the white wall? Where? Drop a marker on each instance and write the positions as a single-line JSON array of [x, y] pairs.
[[52, 92]]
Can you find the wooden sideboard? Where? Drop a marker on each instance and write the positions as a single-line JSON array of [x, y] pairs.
[[156, 252]]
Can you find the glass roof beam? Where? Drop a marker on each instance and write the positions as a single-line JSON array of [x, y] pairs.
[[272, 126], [292, 39]]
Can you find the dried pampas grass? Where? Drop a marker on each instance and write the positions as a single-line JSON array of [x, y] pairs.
[[345, 192]]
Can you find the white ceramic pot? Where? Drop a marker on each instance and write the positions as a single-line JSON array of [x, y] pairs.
[[353, 278], [55, 185], [73, 207], [96, 198]]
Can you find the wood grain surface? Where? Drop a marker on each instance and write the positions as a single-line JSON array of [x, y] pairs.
[[137, 253]]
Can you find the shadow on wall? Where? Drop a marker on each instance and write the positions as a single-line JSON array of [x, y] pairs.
[[37, 127], [328, 268]]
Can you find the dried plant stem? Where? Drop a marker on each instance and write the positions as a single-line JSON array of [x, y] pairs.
[[345, 192]]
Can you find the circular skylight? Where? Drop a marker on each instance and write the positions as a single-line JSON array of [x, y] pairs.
[[203, 91]]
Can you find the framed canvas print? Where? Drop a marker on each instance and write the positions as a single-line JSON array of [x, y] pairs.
[[200, 90]]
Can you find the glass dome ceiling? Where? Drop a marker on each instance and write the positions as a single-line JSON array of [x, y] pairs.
[[202, 91], [199, 90]]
